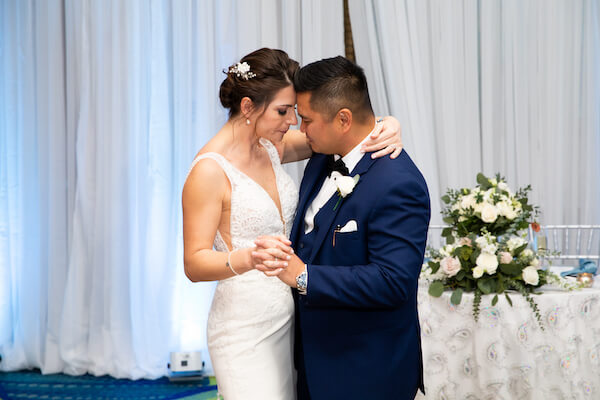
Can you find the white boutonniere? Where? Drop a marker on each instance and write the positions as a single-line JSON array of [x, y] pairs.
[[345, 185]]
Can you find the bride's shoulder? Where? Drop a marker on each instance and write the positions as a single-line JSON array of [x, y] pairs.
[[206, 171], [205, 181]]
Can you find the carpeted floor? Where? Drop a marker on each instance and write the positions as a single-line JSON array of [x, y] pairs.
[[33, 385]]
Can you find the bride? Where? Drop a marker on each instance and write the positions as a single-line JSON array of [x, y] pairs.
[[235, 192]]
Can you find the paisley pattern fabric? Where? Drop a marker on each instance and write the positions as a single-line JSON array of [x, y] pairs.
[[505, 355]]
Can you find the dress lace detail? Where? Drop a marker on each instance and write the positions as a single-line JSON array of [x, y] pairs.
[[250, 321]]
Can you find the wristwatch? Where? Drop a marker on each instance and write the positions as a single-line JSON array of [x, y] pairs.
[[302, 281]]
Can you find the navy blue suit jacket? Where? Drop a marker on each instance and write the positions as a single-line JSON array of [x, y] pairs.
[[358, 323]]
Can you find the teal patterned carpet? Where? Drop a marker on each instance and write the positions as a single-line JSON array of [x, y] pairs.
[[33, 385]]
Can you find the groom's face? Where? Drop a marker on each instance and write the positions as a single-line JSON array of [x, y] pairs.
[[320, 133]]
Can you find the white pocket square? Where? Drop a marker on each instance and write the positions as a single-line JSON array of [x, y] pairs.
[[350, 226]]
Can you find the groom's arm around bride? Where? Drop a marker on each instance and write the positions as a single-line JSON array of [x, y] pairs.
[[359, 242]]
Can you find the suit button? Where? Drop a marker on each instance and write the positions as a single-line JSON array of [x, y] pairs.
[[301, 245]]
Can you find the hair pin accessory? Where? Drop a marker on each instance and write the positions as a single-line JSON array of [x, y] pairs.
[[242, 70]]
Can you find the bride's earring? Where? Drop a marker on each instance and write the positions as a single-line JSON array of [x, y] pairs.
[[247, 121]]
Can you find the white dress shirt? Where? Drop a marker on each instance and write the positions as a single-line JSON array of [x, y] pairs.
[[329, 188]]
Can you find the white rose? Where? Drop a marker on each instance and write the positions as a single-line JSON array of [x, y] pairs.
[[345, 184], [487, 195], [479, 207], [503, 186], [511, 214], [526, 253], [477, 272], [489, 213], [487, 261], [504, 208], [467, 201], [450, 265], [530, 275], [535, 262], [514, 243], [505, 257]]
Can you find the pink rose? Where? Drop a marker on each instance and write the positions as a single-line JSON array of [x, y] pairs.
[[450, 266], [505, 257], [465, 241]]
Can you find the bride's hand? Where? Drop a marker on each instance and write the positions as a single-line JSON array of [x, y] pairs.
[[385, 139], [271, 254]]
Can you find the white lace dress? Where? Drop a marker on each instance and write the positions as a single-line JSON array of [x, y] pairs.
[[250, 332]]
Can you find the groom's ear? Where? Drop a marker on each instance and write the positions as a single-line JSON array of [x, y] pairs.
[[344, 119]]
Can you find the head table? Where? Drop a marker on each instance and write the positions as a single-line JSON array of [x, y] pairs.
[[505, 355]]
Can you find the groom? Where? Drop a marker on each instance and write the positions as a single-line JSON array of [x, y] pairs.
[[359, 242]]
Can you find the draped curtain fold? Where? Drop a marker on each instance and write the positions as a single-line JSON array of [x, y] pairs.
[[494, 86], [103, 105]]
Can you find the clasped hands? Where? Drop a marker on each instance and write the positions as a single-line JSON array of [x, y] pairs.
[[274, 256]]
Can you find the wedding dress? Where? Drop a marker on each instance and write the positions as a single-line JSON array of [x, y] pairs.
[[250, 332]]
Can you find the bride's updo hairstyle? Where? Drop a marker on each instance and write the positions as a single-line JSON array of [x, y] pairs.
[[259, 76]]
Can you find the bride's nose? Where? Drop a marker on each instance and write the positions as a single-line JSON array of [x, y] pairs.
[[293, 120]]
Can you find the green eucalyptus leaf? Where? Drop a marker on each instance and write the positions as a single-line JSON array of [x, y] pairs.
[[511, 269], [500, 288], [483, 182], [456, 296], [436, 288], [485, 285], [474, 256], [482, 179], [467, 251], [495, 300], [508, 299], [448, 220]]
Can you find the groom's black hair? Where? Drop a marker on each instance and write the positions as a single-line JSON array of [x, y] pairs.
[[335, 83]]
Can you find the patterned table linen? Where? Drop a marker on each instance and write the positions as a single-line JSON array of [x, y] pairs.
[[506, 355]]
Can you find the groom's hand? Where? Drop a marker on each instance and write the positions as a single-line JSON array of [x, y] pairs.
[[272, 254], [275, 257], [295, 267]]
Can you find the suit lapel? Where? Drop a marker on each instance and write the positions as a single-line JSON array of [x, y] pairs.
[[363, 165], [326, 215]]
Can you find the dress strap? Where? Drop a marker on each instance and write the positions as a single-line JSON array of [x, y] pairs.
[[222, 161], [271, 150]]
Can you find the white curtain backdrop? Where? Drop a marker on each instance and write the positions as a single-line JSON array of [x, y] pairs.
[[103, 105], [494, 86]]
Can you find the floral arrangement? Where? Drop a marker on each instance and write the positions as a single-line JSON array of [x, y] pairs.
[[486, 251]]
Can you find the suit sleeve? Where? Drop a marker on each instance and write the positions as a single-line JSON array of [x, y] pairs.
[[397, 232]]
